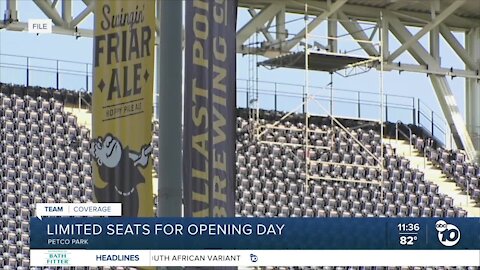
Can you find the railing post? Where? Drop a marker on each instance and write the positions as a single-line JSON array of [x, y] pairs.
[[433, 126], [28, 71], [275, 97], [86, 77], [396, 135], [331, 99], [413, 112], [386, 108], [58, 79], [303, 98], [418, 111], [358, 105]]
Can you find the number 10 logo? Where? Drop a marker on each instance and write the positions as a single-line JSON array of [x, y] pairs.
[[448, 234]]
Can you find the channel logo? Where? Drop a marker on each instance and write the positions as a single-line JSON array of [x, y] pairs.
[[448, 234]]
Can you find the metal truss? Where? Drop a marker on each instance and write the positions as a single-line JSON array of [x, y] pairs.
[[60, 12], [434, 18], [270, 19]]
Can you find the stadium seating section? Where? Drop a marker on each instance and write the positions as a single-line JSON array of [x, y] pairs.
[[453, 163], [271, 177], [45, 158]]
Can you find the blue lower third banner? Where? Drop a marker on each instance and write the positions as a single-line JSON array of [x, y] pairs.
[[255, 242]]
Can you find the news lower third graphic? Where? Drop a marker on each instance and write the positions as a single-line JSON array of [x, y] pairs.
[[117, 241]]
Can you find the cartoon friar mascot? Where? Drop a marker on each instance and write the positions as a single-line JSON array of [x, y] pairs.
[[118, 169]]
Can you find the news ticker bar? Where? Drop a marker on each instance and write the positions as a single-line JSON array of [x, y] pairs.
[[137, 258], [255, 233]]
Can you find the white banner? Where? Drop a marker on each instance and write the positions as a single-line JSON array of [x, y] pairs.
[[257, 258], [40, 26]]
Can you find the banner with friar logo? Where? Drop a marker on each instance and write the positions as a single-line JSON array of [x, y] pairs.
[[122, 104], [210, 104]]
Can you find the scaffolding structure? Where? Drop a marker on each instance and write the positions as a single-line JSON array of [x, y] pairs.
[[345, 61]]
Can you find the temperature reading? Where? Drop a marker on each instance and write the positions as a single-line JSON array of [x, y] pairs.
[[408, 240]]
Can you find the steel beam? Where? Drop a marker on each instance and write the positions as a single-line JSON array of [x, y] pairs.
[[457, 47], [51, 13], [442, 89], [258, 22], [472, 88], [434, 32], [11, 14], [367, 13], [332, 29], [82, 15], [264, 31], [60, 30], [434, 23], [313, 24], [441, 71], [356, 31], [398, 4], [385, 27], [281, 32], [67, 12]]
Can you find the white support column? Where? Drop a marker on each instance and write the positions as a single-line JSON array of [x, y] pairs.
[[431, 25], [356, 31], [440, 84], [314, 23], [280, 28], [264, 30], [258, 22], [452, 114], [457, 47], [67, 12], [385, 31], [82, 15], [472, 91], [434, 33], [11, 11], [332, 30], [50, 12]]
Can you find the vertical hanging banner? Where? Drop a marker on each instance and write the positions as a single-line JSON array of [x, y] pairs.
[[210, 105], [122, 104]]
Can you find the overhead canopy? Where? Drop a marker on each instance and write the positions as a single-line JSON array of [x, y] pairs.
[[317, 60], [466, 17]]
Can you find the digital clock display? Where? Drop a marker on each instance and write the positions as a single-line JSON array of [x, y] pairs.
[[408, 227]]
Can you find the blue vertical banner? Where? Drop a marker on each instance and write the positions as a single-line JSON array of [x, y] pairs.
[[210, 102]]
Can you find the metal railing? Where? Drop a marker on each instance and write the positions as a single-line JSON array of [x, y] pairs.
[[433, 123], [408, 137], [77, 76], [54, 72], [340, 102]]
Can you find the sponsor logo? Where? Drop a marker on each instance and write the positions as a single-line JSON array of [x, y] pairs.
[[448, 234], [58, 258], [253, 258]]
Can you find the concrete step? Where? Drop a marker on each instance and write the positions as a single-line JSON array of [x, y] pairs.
[[84, 117]]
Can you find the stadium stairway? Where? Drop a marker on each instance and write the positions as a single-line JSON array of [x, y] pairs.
[[84, 117], [434, 174]]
